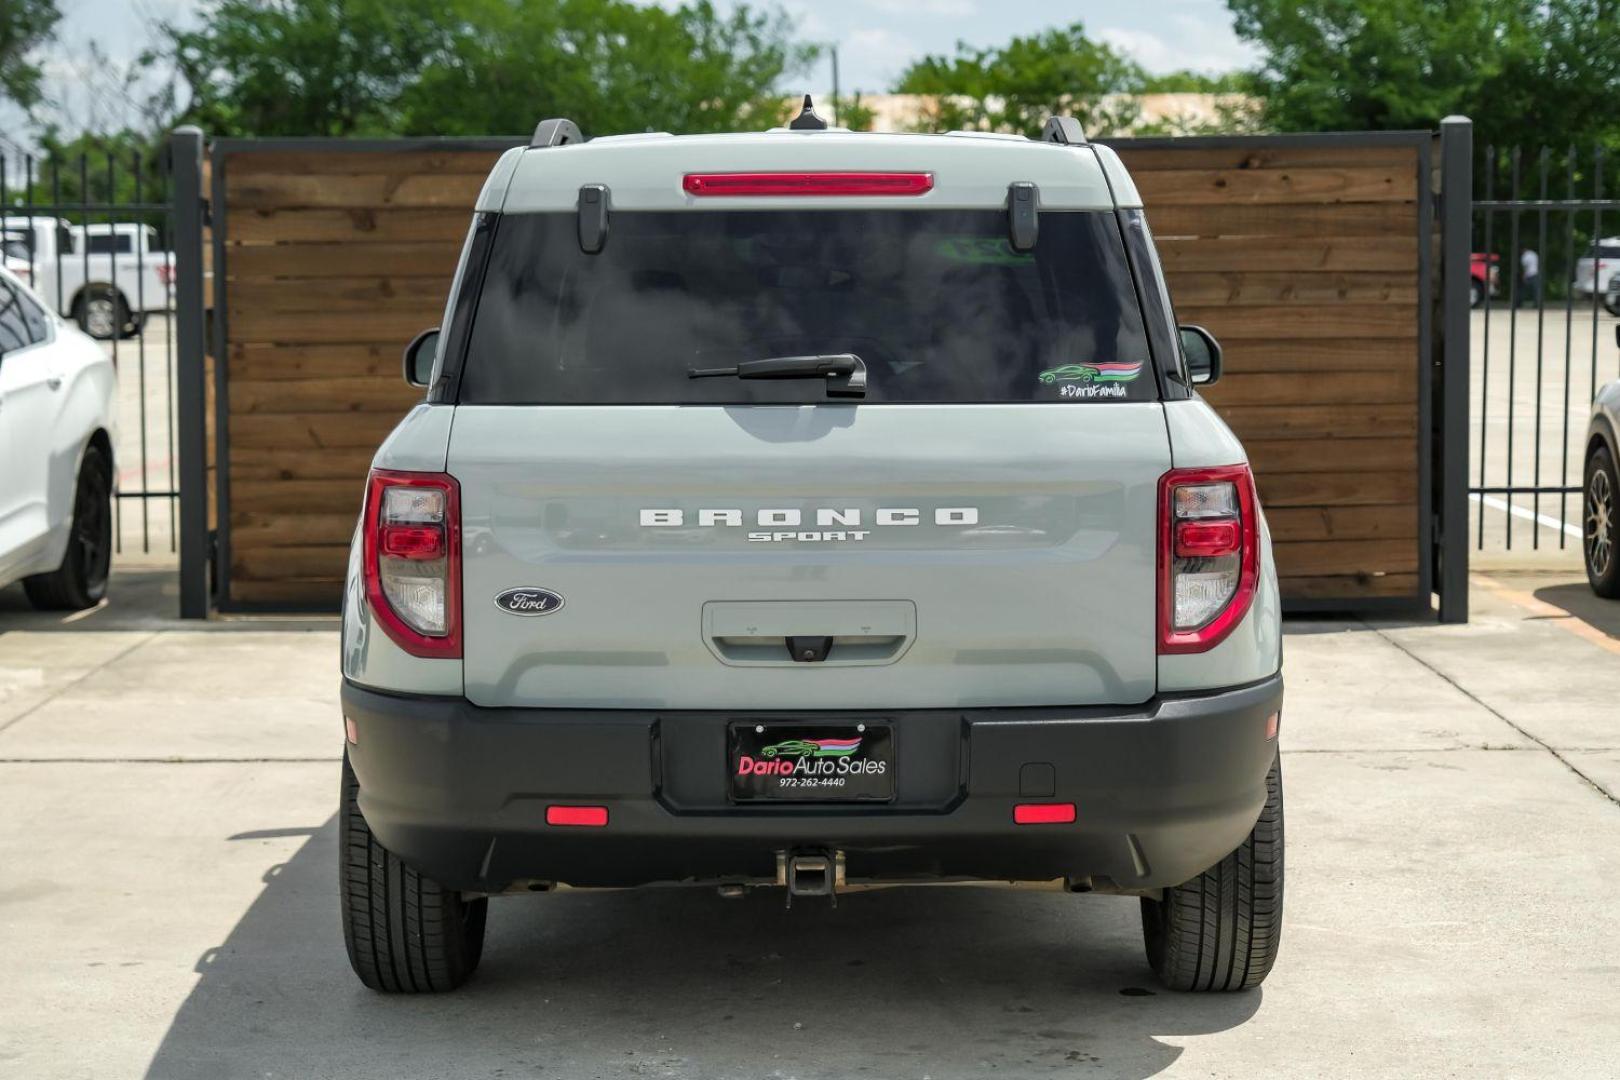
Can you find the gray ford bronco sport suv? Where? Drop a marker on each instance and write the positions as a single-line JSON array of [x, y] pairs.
[[810, 509]]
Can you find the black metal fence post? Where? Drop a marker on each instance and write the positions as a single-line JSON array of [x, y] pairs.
[[186, 154], [1456, 226]]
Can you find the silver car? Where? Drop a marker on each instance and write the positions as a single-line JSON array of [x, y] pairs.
[[810, 509], [1601, 487]]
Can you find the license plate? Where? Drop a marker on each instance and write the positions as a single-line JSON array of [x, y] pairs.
[[811, 762]]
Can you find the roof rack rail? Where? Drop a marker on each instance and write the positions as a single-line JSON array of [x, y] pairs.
[[1063, 129], [555, 133]]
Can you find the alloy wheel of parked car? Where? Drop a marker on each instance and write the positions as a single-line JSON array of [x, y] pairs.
[[101, 315], [1600, 521], [81, 581]]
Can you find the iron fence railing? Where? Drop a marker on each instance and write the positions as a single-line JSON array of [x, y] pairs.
[[1542, 353], [90, 231]]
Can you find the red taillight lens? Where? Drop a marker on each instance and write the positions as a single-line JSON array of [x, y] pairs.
[[1209, 555], [813, 183], [1207, 540], [412, 555], [165, 274], [411, 542]]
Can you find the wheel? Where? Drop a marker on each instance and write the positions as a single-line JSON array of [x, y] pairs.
[[1220, 931], [1611, 301], [101, 312], [1476, 294], [81, 581], [405, 933], [1601, 524]]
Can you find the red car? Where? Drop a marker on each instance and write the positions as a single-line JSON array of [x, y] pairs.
[[1485, 274]]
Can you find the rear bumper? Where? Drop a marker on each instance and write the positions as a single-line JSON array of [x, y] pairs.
[[1162, 792]]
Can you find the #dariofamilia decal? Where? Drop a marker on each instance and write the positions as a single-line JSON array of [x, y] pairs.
[[1099, 378]]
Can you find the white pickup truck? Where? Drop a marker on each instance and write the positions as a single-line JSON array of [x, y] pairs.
[[105, 276]]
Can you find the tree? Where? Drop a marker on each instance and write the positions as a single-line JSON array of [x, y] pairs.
[[1526, 71], [24, 26], [305, 67], [610, 65], [479, 67], [1016, 86]]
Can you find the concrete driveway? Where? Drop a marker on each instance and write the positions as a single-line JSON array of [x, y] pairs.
[[167, 890]]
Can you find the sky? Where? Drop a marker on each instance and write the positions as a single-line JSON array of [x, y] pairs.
[[876, 38]]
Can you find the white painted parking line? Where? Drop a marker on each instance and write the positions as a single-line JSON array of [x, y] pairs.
[[1518, 511]]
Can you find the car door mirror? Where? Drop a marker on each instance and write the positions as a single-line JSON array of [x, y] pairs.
[[419, 357], [1203, 355]]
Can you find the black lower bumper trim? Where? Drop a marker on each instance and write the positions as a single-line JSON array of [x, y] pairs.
[[1162, 791]]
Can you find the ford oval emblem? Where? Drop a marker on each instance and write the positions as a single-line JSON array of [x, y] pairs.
[[529, 601]]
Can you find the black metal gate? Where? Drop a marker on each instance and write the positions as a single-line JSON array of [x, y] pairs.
[[91, 231], [1546, 287]]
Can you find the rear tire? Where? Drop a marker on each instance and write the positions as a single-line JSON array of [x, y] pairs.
[[1221, 930], [1476, 294], [81, 581], [1600, 524], [405, 933]]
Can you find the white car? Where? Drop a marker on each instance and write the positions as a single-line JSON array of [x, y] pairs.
[[56, 440], [107, 277], [1603, 261]]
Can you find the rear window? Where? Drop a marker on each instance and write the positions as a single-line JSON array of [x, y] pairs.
[[935, 303], [109, 243]]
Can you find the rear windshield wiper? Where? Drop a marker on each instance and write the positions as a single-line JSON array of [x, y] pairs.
[[845, 372]]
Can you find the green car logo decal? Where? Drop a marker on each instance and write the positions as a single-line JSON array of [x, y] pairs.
[[813, 748], [1098, 372]]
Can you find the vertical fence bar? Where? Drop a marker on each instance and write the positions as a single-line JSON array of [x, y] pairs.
[[140, 316], [1514, 158], [1569, 345], [1544, 163], [1456, 226], [1492, 262], [186, 155], [1597, 248]]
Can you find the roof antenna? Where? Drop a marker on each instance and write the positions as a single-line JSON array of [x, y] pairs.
[[807, 120]]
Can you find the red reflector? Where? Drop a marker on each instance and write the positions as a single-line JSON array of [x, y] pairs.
[[1206, 539], [1272, 723], [818, 183], [1035, 813], [595, 816], [412, 541]]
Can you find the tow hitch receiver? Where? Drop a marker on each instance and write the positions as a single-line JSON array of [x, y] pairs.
[[811, 873]]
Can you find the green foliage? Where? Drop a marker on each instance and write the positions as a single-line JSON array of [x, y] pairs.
[[24, 26], [1526, 71], [479, 67], [855, 114], [1016, 86], [124, 168], [1187, 81]]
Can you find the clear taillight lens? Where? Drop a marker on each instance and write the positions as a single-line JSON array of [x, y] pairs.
[[413, 560], [1208, 555]]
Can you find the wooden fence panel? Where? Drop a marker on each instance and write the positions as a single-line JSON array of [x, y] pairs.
[[1301, 256], [334, 258]]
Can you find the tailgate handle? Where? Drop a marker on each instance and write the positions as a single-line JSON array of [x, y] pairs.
[[809, 650]]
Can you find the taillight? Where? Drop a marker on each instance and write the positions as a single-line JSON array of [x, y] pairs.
[[165, 274], [809, 183], [413, 560], [1209, 555]]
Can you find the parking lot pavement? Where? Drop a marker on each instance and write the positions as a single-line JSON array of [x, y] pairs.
[[167, 890]]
